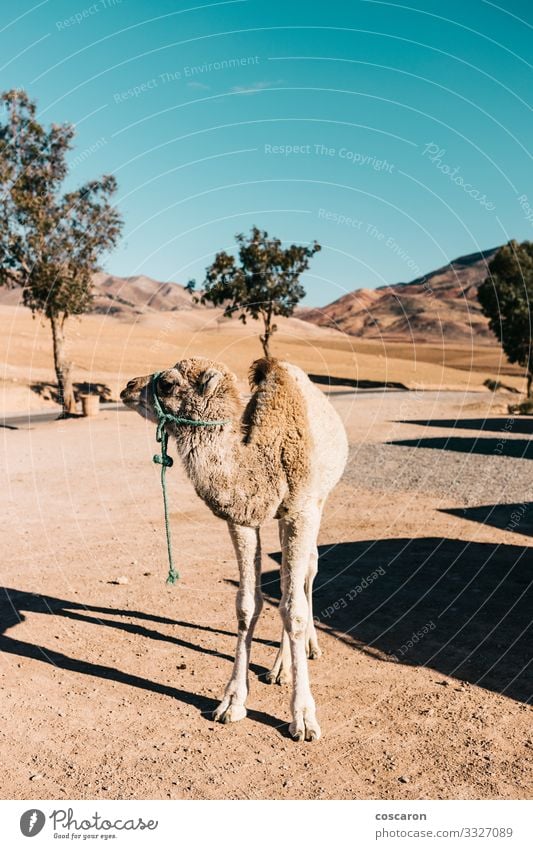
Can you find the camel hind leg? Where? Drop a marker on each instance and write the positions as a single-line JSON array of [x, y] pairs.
[[312, 647], [281, 670]]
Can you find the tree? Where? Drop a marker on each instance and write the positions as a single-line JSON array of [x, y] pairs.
[[50, 243], [263, 283], [506, 298]]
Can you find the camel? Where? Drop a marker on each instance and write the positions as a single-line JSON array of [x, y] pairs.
[[278, 457]]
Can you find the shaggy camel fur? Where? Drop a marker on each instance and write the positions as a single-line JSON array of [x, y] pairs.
[[278, 457]]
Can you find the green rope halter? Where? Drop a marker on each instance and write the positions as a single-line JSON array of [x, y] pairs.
[[165, 461]]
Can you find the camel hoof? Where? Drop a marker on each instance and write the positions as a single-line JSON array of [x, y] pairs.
[[278, 676], [313, 651], [304, 727], [226, 713]]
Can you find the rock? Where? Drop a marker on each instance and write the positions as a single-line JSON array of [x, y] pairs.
[[404, 779]]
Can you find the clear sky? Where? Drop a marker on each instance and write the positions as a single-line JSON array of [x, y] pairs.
[[397, 135]]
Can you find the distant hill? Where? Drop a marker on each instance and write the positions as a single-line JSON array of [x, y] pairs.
[[443, 303], [124, 297], [141, 299]]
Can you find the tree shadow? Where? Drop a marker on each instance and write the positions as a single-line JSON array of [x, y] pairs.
[[50, 392], [460, 608], [507, 517], [503, 447], [329, 380], [509, 425], [14, 603]]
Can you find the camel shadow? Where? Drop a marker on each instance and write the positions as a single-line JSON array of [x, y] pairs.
[[15, 603], [460, 608]]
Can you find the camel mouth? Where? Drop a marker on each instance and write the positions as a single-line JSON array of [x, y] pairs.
[[139, 405], [136, 396]]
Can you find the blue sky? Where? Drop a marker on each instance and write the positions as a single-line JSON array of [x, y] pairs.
[[396, 135]]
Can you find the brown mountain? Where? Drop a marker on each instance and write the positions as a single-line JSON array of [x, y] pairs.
[[124, 297], [443, 303], [142, 299]]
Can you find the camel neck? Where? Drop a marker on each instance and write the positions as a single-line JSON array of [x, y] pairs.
[[208, 452], [230, 476]]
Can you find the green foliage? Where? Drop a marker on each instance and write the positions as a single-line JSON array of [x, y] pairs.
[[506, 298], [262, 283], [49, 243]]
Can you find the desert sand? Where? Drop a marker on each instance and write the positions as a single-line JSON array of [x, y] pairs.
[[109, 676], [109, 350]]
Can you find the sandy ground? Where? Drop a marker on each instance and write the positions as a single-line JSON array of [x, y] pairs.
[[109, 677]]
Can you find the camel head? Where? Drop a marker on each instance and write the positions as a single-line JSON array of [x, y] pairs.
[[193, 389]]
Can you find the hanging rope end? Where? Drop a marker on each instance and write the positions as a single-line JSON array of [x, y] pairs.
[[173, 577]]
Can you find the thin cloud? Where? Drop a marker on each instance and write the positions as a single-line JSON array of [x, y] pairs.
[[254, 87]]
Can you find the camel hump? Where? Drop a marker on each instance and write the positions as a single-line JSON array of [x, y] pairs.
[[261, 369], [273, 399], [276, 420]]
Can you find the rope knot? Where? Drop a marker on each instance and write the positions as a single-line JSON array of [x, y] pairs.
[[163, 460]]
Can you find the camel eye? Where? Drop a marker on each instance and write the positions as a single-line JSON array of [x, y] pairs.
[[165, 386]]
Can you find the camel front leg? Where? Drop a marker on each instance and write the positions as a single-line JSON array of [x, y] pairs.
[[299, 543], [249, 604]]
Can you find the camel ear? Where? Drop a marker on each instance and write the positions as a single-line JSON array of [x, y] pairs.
[[209, 381]]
